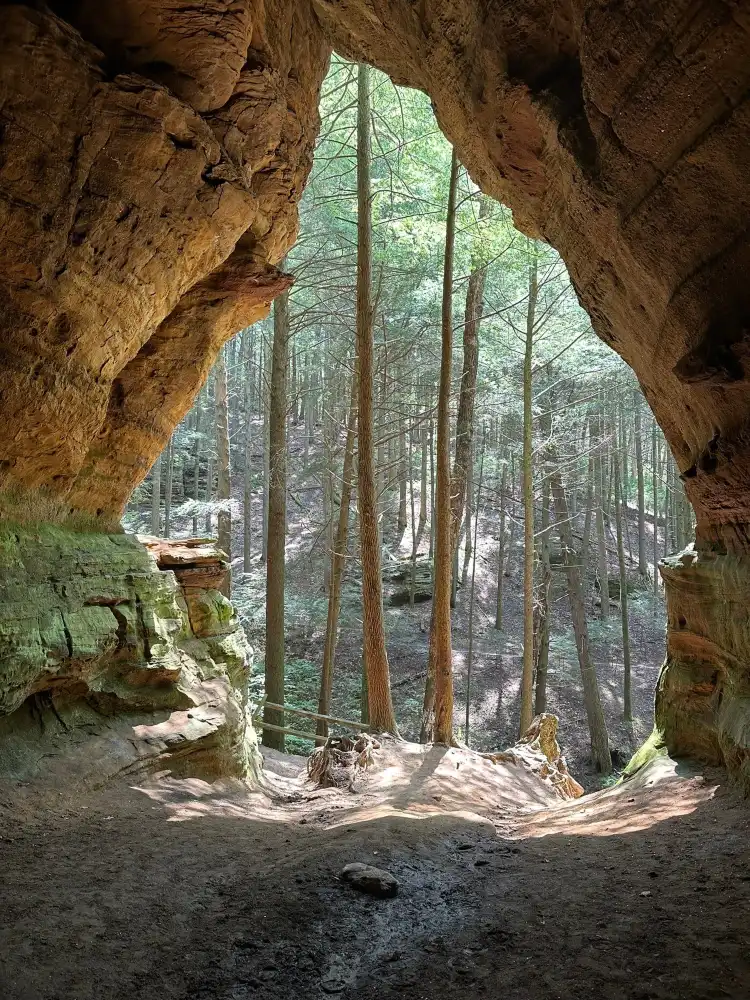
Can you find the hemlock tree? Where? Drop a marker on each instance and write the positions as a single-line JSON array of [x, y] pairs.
[[439, 702], [276, 544], [380, 704]]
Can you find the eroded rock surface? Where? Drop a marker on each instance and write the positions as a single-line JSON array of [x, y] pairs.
[[703, 696], [151, 159], [97, 642], [147, 189]]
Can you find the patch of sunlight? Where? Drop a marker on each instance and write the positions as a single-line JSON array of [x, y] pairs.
[[655, 794]]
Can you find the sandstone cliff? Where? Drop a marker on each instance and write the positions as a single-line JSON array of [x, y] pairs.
[[146, 666]]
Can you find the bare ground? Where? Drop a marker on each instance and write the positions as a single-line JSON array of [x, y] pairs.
[[182, 889]]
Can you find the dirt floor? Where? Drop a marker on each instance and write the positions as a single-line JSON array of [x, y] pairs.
[[175, 889]]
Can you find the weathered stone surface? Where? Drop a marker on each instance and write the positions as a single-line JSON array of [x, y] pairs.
[[703, 695], [196, 562], [140, 230], [372, 881], [90, 618], [397, 581]]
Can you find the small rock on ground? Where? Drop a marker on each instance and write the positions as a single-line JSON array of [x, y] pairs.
[[373, 881]]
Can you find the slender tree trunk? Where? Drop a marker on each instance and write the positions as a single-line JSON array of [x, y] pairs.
[[338, 561], [592, 701], [414, 535], [527, 680], [627, 695], [266, 457], [501, 552], [654, 487], [380, 702], [586, 542], [469, 502], [168, 487], [423, 479], [642, 558], [432, 489], [542, 608], [247, 497], [468, 390], [402, 476], [601, 537], [275, 568], [470, 650], [197, 464], [223, 464], [623, 451], [209, 492], [156, 497], [437, 709]]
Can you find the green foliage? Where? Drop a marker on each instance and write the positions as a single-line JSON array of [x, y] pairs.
[[302, 683]]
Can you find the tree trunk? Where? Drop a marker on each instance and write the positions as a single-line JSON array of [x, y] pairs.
[[469, 512], [468, 390], [437, 709], [642, 558], [275, 568], [209, 493], [197, 464], [266, 458], [380, 703], [627, 696], [156, 496], [654, 486], [223, 464], [247, 496], [527, 679], [592, 700], [423, 479], [542, 609], [586, 541], [432, 489], [402, 476], [168, 487], [601, 537], [338, 561], [470, 650], [501, 552], [414, 535]]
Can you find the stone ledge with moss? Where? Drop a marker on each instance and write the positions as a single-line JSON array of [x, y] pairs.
[[703, 695], [106, 653]]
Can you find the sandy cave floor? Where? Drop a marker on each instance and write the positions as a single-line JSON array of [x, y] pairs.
[[175, 889]]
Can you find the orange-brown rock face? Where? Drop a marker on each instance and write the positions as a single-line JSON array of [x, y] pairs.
[[152, 154], [146, 191]]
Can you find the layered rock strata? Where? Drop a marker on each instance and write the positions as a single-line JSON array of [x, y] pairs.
[[98, 643]]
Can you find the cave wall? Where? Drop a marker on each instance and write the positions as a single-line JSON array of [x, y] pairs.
[[124, 643], [152, 155], [148, 188]]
